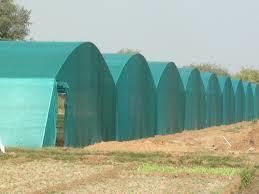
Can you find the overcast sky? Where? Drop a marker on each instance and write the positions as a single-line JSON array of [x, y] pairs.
[[184, 31]]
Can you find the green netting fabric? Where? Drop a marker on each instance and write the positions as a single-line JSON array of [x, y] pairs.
[[249, 101], [170, 97], [25, 106], [213, 99], [255, 88], [128, 99], [195, 102], [135, 96], [239, 100], [33, 59], [228, 100], [90, 97], [90, 106]]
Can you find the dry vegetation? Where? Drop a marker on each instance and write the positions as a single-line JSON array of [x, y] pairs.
[[188, 162]]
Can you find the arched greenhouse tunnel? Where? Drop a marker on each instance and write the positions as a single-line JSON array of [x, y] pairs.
[[239, 100], [135, 96], [195, 99], [32, 73], [249, 101], [170, 97], [228, 100], [213, 99], [255, 88]]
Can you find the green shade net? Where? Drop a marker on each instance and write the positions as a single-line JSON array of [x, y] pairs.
[[135, 96], [24, 121], [249, 101], [213, 99], [170, 97], [228, 100], [239, 100], [80, 71], [195, 102], [255, 88]]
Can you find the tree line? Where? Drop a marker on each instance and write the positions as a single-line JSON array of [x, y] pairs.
[[245, 74]]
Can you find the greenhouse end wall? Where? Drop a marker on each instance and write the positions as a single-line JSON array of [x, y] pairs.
[[195, 102], [170, 97], [249, 101], [135, 96], [213, 99], [228, 100], [239, 100], [88, 83]]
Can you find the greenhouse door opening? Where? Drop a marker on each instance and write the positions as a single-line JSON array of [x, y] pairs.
[[62, 90], [60, 119]]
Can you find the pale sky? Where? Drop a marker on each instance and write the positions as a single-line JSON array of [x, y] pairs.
[[184, 31]]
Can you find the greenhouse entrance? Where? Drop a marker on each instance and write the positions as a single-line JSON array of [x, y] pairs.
[[61, 100], [62, 89]]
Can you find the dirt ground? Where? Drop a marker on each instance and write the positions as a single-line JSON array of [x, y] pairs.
[[110, 167], [50, 176], [242, 137]]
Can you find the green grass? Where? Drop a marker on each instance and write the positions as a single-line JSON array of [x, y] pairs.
[[126, 157], [188, 160], [247, 175], [46, 153], [212, 160], [206, 160], [222, 171]]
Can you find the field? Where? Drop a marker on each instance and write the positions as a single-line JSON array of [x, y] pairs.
[[222, 159]]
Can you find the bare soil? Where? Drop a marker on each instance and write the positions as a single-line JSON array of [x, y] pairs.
[[130, 183], [43, 175], [50, 176], [242, 137]]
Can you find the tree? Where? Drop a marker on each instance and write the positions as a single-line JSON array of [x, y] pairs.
[[14, 21], [212, 68], [248, 74], [128, 51]]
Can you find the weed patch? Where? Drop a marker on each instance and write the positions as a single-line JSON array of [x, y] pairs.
[[247, 175], [222, 171]]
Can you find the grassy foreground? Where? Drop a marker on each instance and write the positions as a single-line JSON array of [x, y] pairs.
[[191, 164]]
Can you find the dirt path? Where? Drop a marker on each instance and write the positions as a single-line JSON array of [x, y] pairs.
[[133, 183], [80, 182]]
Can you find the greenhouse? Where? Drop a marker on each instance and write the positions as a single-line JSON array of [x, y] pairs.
[[239, 100], [195, 102], [213, 99], [170, 97], [31, 76], [249, 101], [255, 88], [228, 100], [135, 96]]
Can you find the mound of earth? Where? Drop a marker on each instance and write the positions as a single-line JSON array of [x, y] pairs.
[[236, 138]]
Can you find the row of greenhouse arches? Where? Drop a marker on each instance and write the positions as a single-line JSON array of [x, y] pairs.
[[185, 98], [112, 96]]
